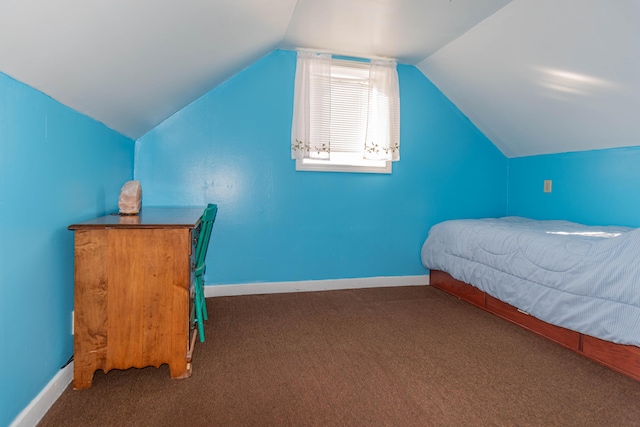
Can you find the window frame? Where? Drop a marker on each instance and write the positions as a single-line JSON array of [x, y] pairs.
[[345, 165], [315, 165]]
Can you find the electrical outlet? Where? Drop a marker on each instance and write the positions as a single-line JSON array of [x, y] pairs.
[[547, 186]]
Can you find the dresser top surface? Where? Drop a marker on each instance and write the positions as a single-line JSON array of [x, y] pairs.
[[147, 218]]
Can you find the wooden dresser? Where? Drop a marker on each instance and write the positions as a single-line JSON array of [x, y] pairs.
[[133, 292]]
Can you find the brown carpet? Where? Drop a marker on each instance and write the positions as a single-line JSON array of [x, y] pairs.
[[404, 356]]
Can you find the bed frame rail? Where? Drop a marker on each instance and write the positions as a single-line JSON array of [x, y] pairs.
[[621, 358]]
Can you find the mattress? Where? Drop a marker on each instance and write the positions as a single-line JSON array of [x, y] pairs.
[[584, 278]]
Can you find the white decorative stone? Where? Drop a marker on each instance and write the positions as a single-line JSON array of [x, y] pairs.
[[130, 196]]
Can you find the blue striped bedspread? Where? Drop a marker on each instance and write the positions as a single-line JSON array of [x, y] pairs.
[[584, 278]]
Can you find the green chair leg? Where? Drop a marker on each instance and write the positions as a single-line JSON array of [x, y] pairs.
[[198, 302]]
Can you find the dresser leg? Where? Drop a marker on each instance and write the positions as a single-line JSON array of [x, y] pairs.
[[180, 372], [82, 378]]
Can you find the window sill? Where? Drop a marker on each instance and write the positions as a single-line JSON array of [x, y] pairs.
[[362, 166]]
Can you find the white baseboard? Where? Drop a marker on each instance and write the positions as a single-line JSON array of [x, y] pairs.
[[33, 413], [313, 285]]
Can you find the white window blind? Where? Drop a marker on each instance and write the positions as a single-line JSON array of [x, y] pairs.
[[342, 118]]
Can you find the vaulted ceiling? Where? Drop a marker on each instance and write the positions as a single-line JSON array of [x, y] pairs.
[[536, 76]]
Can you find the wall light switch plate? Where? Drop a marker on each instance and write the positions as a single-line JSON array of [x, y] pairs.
[[547, 186]]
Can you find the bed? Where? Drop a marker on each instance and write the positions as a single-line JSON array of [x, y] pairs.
[[574, 284]]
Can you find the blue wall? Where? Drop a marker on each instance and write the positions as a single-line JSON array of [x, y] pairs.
[[599, 187], [232, 147], [57, 167]]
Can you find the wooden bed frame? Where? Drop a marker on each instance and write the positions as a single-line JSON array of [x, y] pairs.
[[622, 358]]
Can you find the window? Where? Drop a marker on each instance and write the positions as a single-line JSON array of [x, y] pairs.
[[346, 115]]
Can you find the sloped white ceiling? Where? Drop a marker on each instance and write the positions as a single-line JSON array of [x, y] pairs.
[[132, 63], [406, 30], [536, 76], [548, 76]]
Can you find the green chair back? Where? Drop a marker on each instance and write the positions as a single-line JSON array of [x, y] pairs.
[[202, 245], [208, 217]]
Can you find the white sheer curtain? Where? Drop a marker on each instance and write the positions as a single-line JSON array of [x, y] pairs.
[[310, 132], [313, 124], [383, 124]]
